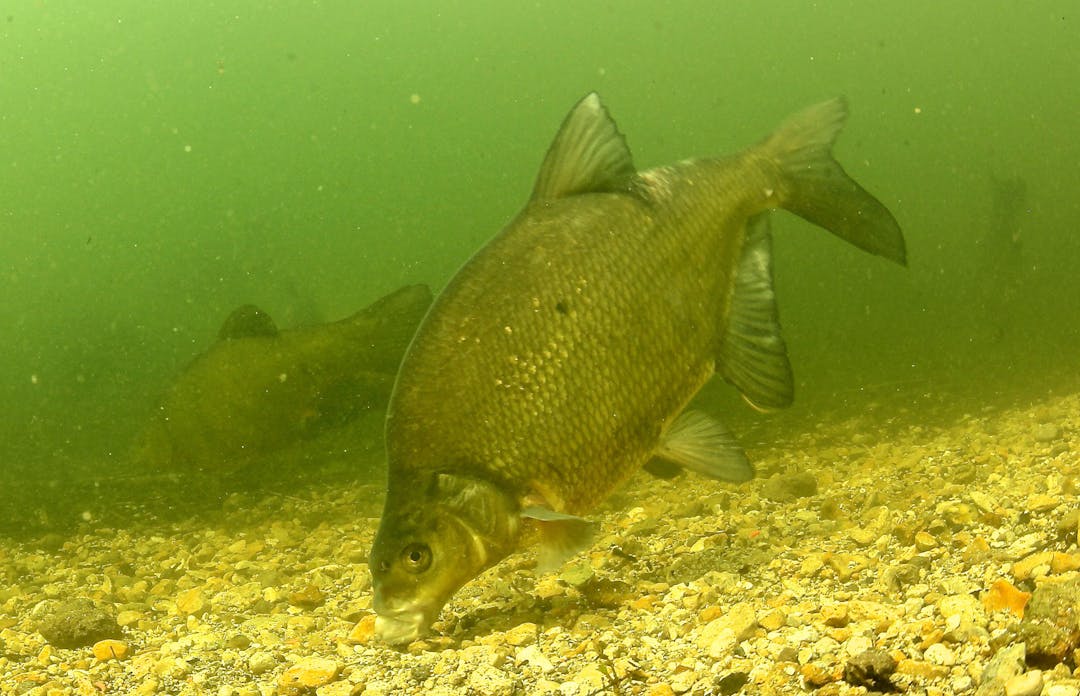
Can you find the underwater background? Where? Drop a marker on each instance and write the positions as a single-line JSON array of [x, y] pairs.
[[162, 164]]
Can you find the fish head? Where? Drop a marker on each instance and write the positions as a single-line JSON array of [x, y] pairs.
[[433, 538]]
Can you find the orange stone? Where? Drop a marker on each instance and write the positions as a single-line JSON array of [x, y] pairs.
[[110, 650], [363, 631], [1004, 595]]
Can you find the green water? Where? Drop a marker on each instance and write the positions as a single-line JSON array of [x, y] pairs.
[[162, 163]]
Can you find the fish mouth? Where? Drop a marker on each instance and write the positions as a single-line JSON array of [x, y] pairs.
[[400, 627]]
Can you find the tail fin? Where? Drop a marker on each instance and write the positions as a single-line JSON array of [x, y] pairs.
[[819, 190]]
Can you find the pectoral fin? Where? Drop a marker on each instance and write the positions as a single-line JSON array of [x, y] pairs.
[[562, 536]]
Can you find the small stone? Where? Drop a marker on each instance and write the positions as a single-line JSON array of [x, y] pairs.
[[858, 645], [1004, 595], [922, 668], [835, 615], [77, 623], [1007, 663], [590, 680], [983, 501], [532, 655], [577, 573], [1064, 562], [1026, 684], [308, 673], [924, 541], [816, 675], [1051, 626], [261, 662], [190, 602], [522, 634], [128, 617], [338, 688], [940, 654], [871, 669], [1061, 690], [661, 690], [732, 682], [784, 488], [110, 650], [862, 536], [681, 682], [363, 631], [310, 596], [773, 620], [721, 635], [1047, 432], [1025, 568], [1040, 502]]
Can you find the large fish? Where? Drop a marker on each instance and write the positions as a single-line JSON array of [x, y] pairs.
[[561, 357], [258, 390]]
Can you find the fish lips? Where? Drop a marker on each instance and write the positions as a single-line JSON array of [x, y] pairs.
[[399, 620], [401, 626]]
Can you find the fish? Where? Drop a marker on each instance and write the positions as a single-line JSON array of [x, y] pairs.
[[259, 389], [561, 357]]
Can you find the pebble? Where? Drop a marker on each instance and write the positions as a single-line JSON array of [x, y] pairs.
[[308, 673], [721, 635], [363, 631], [1026, 684], [522, 634], [532, 655], [1047, 432], [940, 654], [925, 541], [928, 564], [1004, 595], [261, 662], [1061, 690], [110, 650], [190, 602]]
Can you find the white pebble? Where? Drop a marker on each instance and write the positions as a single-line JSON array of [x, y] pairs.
[[1026, 684], [938, 654], [1061, 690], [857, 645]]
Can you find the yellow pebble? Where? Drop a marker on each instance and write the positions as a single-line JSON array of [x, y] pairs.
[[190, 601], [308, 673], [110, 650]]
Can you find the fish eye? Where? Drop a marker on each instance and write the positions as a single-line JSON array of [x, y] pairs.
[[416, 557]]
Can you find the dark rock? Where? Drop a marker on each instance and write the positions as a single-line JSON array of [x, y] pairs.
[[731, 682], [783, 488], [77, 623], [1051, 625], [871, 669]]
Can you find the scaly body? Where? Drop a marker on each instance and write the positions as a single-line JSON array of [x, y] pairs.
[[560, 358]]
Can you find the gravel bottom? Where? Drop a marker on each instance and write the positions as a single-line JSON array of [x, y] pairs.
[[918, 560]]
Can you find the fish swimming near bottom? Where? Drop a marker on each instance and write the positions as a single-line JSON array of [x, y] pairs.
[[258, 389], [561, 357]]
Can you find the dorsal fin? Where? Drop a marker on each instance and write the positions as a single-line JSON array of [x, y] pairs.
[[246, 322], [753, 356], [589, 154]]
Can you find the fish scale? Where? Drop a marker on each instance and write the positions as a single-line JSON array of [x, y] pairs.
[[560, 358]]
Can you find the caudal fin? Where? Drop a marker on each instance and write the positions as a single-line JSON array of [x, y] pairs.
[[818, 189]]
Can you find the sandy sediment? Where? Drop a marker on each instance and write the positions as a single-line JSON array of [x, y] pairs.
[[865, 557]]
